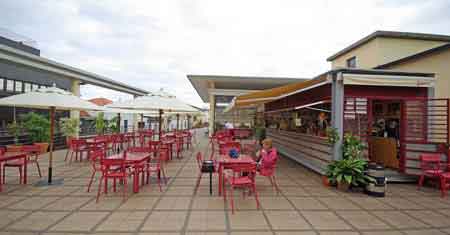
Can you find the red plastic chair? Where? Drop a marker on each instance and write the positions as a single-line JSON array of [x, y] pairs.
[[32, 157], [96, 157], [268, 170], [148, 168], [77, 147], [179, 147], [240, 180], [431, 168], [113, 169]]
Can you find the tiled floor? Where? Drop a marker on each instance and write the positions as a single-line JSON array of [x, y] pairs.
[[303, 207]]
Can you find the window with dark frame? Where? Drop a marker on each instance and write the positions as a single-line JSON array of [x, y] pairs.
[[351, 62]]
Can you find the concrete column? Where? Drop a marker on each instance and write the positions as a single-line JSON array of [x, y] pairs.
[[212, 113], [337, 112], [75, 89]]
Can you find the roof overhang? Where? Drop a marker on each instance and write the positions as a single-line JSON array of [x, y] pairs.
[[38, 62], [234, 85]]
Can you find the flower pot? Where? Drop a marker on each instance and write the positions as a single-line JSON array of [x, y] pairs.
[[325, 181], [13, 148], [343, 186], [43, 146]]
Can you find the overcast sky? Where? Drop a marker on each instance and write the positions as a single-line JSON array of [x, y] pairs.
[[154, 44]]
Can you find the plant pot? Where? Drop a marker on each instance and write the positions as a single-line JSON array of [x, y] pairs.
[[43, 146], [325, 181], [13, 148], [343, 186]]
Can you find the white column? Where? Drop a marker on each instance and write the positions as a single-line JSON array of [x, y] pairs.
[[212, 111], [337, 111], [75, 89]]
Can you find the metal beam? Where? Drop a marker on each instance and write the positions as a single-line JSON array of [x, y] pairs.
[[37, 62]]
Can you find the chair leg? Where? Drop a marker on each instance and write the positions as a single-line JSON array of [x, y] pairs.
[[114, 186], [256, 196], [99, 188], [38, 168], [443, 187], [125, 188], [231, 199], [20, 175], [90, 181], [421, 179], [4, 176], [159, 183], [67, 154], [198, 183]]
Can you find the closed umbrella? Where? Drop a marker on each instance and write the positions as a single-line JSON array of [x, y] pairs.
[[51, 98], [157, 101]]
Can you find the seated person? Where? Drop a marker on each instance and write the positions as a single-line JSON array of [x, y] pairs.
[[267, 156]]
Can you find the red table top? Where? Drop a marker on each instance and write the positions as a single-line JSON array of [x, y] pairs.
[[225, 159], [131, 157]]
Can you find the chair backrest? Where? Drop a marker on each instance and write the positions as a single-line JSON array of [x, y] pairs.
[[138, 150], [199, 160], [30, 148], [248, 168], [76, 143], [430, 161], [109, 165], [154, 145]]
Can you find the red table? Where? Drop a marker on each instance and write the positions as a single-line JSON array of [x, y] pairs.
[[14, 156], [169, 143], [225, 162], [133, 160]]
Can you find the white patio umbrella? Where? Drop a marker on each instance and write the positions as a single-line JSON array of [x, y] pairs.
[[51, 98], [156, 101]]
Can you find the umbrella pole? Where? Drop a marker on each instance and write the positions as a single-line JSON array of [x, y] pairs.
[[118, 122], [178, 121], [50, 159], [160, 123]]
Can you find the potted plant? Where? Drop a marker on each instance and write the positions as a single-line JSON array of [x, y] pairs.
[[14, 129], [350, 170], [100, 124], [38, 129], [113, 125], [70, 127]]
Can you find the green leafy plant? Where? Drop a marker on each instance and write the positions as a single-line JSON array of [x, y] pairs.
[[332, 135], [15, 129], [113, 125], [37, 126], [350, 171], [100, 124], [70, 127], [352, 146]]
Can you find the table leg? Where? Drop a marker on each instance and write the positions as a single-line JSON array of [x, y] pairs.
[[210, 183], [220, 179], [25, 175]]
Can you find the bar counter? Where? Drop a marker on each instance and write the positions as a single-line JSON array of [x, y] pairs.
[[313, 152]]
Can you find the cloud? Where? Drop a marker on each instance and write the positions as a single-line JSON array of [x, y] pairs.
[[153, 44]]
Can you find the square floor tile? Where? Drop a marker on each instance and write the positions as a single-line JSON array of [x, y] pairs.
[[370, 203], [38, 221], [401, 203], [286, 220], [296, 233], [33, 203], [139, 203], [276, 202], [80, 221], [383, 232], [104, 203], [294, 191], [8, 216], [180, 191], [307, 203], [399, 219], [424, 232], [338, 203], [67, 203], [208, 203], [320, 191], [9, 200], [246, 220], [165, 221], [363, 220], [325, 220], [123, 221], [430, 217], [207, 220], [173, 203]]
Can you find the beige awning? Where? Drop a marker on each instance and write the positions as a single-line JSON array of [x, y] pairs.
[[388, 80]]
